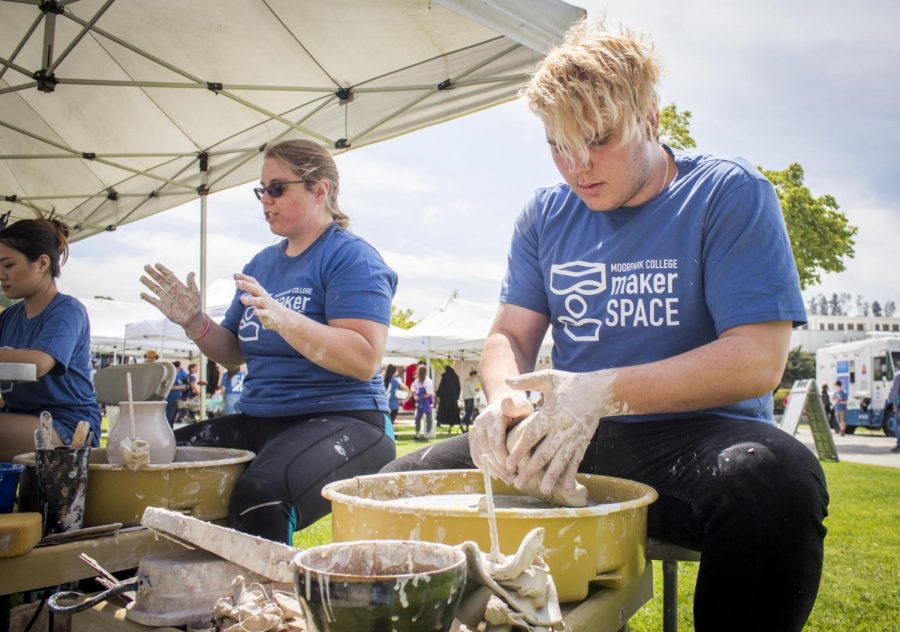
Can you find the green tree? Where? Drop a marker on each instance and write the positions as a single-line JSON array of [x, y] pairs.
[[675, 127], [401, 318], [820, 234], [800, 366], [876, 309]]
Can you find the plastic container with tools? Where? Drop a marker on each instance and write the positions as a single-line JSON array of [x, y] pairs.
[[9, 481]]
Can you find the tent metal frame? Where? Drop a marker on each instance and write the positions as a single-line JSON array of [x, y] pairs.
[[45, 79]]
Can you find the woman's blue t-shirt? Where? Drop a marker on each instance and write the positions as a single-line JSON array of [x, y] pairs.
[[840, 403], [339, 276], [63, 332], [636, 285], [393, 387]]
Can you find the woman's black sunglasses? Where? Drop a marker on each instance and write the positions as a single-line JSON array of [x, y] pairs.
[[275, 190]]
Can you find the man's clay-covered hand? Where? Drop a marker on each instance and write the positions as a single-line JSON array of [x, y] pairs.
[[552, 442], [489, 430]]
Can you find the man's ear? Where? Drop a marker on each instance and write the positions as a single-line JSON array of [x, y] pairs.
[[653, 124]]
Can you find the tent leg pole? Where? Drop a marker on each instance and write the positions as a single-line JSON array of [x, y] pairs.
[[204, 191]]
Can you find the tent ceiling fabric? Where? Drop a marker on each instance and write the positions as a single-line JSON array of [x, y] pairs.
[[107, 124]]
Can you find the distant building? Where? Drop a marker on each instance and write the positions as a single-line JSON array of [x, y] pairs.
[[822, 330]]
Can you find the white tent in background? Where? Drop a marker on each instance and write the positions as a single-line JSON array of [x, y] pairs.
[[108, 317], [162, 334], [457, 331]]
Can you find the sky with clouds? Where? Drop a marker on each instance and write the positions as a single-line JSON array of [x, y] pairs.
[[816, 83]]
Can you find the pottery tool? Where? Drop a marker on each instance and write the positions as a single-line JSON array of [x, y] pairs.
[[80, 435], [46, 431], [492, 516], [130, 403]]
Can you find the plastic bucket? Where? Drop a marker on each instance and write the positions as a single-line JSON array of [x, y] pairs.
[[9, 481]]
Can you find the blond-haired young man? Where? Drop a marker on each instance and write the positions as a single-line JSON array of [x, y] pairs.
[[669, 283]]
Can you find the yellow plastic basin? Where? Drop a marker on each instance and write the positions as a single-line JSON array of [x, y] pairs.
[[603, 542], [199, 481]]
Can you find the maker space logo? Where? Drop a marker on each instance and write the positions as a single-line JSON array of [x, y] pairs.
[[639, 294], [295, 299], [576, 280]]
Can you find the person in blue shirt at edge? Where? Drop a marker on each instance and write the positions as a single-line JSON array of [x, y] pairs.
[[310, 319], [669, 283], [176, 393], [232, 386], [48, 329], [392, 385]]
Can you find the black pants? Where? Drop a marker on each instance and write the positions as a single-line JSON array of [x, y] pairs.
[[748, 495], [280, 491]]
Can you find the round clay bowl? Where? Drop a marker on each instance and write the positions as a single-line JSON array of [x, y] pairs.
[[365, 586]]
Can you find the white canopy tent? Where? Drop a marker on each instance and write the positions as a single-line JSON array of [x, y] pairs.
[[108, 319], [457, 331], [111, 111]]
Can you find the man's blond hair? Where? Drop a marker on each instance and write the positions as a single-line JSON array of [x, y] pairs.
[[593, 82]]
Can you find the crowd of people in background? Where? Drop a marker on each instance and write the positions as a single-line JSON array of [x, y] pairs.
[[221, 385], [432, 404]]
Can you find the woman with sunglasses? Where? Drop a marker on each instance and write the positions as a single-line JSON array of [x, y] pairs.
[[47, 329], [310, 320]]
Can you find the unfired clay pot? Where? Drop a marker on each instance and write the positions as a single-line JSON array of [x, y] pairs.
[[150, 424]]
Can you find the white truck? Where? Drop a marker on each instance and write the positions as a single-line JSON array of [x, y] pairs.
[[866, 369]]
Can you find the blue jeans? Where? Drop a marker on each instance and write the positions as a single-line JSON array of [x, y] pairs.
[[469, 409], [897, 421], [171, 409], [231, 403]]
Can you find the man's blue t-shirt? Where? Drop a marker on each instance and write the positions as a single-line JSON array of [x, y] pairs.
[[338, 276], [63, 332], [636, 285]]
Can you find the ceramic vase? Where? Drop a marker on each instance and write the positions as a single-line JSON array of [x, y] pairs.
[[150, 424]]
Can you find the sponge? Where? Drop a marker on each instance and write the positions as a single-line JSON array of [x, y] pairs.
[[19, 533]]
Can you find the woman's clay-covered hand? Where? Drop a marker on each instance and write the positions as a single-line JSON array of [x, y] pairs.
[[272, 314], [179, 302]]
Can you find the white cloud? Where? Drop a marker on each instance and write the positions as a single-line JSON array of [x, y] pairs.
[[872, 273], [368, 173]]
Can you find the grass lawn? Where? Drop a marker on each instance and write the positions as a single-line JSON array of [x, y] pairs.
[[862, 554], [859, 589]]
